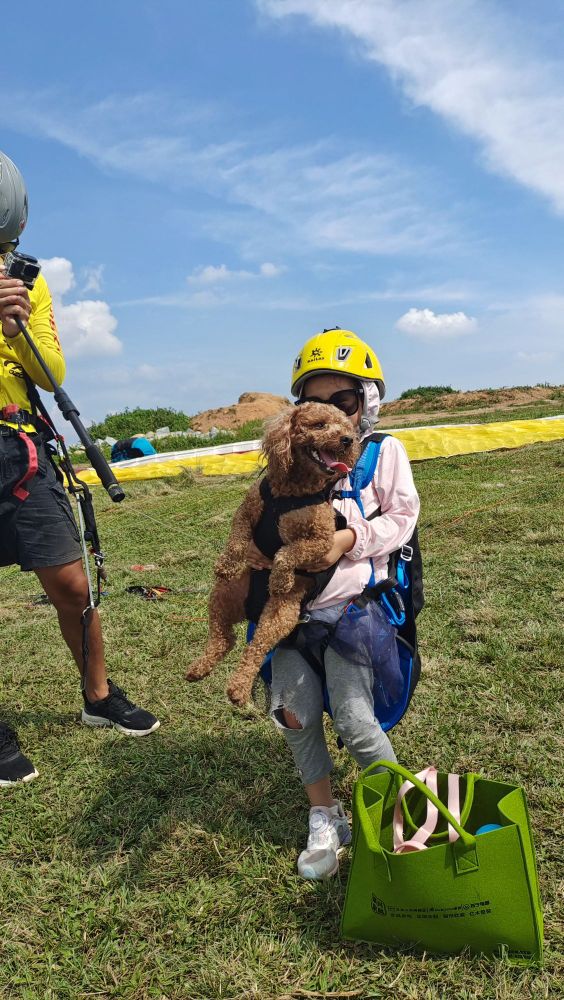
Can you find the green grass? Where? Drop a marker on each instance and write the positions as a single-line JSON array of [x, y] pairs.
[[528, 411], [165, 868]]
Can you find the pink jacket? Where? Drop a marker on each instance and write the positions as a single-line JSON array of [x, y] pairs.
[[393, 491]]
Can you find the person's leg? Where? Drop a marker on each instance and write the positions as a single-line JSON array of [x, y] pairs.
[[351, 696], [104, 703], [297, 710], [67, 589], [318, 792]]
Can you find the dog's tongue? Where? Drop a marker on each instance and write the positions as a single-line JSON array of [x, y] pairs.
[[330, 462]]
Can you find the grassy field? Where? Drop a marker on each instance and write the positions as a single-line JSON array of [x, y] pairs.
[[165, 868], [526, 412]]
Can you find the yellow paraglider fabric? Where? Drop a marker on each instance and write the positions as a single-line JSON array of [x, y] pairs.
[[421, 443]]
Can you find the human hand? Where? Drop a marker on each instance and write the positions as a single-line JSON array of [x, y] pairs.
[[14, 301], [257, 559], [343, 541]]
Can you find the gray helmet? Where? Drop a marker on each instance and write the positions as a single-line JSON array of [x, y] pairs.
[[13, 201]]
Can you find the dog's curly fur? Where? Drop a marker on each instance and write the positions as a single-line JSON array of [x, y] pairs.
[[290, 441]]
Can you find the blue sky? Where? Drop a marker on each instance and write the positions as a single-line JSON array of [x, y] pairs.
[[211, 183]]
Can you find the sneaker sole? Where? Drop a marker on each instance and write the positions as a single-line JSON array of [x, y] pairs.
[[19, 781], [323, 878], [319, 878], [97, 722]]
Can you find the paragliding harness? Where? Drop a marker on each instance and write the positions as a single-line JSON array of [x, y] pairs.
[[400, 596], [132, 447]]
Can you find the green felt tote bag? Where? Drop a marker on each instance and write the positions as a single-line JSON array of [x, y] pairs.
[[421, 876]]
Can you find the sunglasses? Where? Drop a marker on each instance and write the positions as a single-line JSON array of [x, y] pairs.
[[346, 400]]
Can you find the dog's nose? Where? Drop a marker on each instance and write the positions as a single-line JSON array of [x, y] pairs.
[[346, 441]]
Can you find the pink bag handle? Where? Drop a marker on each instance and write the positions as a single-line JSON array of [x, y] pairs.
[[418, 842]]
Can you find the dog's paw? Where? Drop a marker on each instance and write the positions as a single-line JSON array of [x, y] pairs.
[[239, 692], [197, 671], [281, 580]]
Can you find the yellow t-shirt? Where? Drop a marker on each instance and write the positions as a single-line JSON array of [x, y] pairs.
[[16, 357]]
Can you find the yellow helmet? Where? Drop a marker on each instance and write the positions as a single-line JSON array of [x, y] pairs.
[[337, 352]]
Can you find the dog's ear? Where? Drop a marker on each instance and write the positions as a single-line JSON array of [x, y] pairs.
[[277, 440]]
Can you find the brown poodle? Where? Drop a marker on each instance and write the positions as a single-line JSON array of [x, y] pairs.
[[307, 449]]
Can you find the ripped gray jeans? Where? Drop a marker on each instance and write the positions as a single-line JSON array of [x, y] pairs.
[[297, 688]]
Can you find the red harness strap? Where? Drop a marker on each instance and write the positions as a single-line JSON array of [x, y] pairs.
[[10, 414]]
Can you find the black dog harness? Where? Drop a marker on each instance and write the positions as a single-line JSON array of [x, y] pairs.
[[266, 537]]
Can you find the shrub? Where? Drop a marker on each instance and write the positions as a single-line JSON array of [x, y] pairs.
[[139, 421], [426, 392]]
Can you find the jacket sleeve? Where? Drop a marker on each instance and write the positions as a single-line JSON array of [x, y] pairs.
[[43, 330], [393, 491]]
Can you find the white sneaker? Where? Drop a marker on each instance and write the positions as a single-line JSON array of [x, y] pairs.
[[329, 831]]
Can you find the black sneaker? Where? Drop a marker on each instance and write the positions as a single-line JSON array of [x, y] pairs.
[[116, 710], [14, 767]]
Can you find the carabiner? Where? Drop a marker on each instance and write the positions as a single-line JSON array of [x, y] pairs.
[[396, 615]]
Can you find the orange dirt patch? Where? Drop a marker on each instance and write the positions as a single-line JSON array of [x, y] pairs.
[[251, 406]]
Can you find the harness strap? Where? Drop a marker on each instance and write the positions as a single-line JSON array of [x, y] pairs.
[[359, 478], [32, 467], [13, 414]]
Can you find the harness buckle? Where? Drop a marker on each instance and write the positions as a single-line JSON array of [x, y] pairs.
[[304, 618], [406, 553], [11, 412]]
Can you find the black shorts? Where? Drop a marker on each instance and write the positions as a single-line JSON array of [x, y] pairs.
[[39, 531]]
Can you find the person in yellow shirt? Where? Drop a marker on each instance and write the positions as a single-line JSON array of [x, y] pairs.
[[37, 527]]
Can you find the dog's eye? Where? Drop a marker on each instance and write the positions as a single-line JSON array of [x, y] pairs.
[[320, 426]]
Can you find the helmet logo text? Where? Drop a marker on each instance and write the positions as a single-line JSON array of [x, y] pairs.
[[316, 355]]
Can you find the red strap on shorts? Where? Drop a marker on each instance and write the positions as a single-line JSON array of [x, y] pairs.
[[18, 490], [12, 413]]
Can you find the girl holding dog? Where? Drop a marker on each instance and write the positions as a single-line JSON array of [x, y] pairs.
[[337, 367]]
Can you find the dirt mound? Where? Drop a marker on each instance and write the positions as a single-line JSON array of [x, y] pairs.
[[251, 406], [473, 404], [519, 396]]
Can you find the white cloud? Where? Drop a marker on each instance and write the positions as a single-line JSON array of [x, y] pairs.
[[535, 357], [212, 274], [269, 270], [92, 278], [86, 327], [309, 198], [305, 198], [428, 325], [59, 275], [474, 63]]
